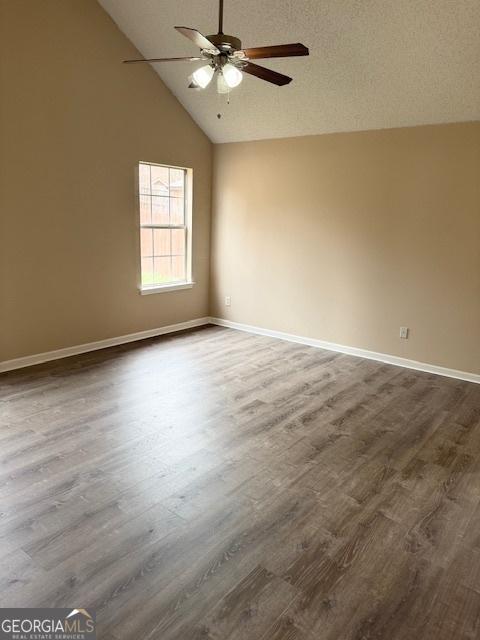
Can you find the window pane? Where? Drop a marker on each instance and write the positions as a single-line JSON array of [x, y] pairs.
[[162, 242], [162, 203], [178, 268], [144, 178], [162, 270], [146, 242], [159, 181], [177, 179], [176, 211], [178, 242], [160, 210], [145, 210], [147, 271]]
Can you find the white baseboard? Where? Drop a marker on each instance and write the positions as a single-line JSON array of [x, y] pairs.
[[352, 351], [27, 361], [38, 358]]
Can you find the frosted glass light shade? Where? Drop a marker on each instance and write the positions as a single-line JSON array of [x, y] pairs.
[[203, 76], [232, 75], [222, 86]]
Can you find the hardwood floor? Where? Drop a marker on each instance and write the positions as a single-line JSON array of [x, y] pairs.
[[215, 484]]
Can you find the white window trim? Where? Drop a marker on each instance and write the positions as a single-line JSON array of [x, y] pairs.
[[165, 288], [169, 286]]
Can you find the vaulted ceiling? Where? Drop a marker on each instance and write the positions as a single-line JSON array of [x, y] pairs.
[[373, 63]]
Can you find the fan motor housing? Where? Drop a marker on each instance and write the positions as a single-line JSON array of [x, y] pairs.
[[225, 42]]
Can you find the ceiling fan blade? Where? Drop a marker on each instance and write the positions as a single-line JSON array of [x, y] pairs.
[[197, 38], [277, 51], [266, 74], [165, 60]]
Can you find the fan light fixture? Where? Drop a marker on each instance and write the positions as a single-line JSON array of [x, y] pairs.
[[228, 77]]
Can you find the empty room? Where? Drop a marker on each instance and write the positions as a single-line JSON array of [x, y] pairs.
[[239, 320]]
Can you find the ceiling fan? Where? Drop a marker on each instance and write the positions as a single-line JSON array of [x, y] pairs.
[[228, 61]]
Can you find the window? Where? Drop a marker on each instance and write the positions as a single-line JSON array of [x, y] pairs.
[[165, 229]]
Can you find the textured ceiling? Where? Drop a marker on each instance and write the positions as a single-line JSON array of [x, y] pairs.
[[373, 63]]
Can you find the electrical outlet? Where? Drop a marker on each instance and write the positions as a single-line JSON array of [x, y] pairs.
[[404, 333], [228, 301]]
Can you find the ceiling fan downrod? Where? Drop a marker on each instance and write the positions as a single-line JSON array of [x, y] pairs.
[[225, 43], [220, 18]]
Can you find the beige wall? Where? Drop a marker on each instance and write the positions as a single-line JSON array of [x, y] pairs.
[[347, 237], [74, 123], [341, 237]]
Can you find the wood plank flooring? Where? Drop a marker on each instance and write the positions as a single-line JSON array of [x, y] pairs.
[[217, 485]]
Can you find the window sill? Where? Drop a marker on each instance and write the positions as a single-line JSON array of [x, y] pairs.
[[164, 288]]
